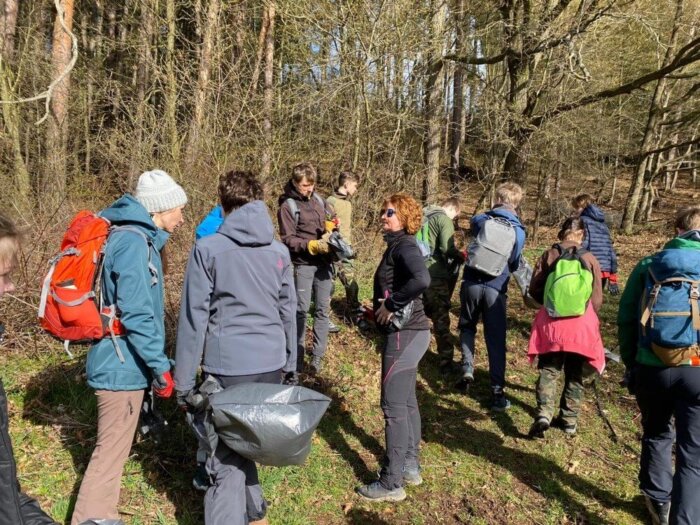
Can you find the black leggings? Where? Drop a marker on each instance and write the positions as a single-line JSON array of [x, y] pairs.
[[402, 426]]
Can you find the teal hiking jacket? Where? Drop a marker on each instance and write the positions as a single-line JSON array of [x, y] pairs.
[[629, 313], [137, 292]]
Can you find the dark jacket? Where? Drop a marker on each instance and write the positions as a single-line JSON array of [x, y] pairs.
[[598, 240], [137, 291], [310, 225], [499, 283], [629, 312], [446, 259], [238, 302], [401, 278], [544, 266], [16, 508]]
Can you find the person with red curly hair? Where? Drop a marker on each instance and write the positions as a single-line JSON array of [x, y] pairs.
[[399, 283]]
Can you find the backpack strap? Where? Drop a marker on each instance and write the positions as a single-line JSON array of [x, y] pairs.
[[110, 312], [294, 207]]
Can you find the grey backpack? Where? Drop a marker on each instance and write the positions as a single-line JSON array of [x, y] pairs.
[[490, 250]]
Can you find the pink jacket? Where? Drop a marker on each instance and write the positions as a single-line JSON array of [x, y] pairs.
[[579, 335]]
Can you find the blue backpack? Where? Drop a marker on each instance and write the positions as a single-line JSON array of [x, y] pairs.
[[670, 321]]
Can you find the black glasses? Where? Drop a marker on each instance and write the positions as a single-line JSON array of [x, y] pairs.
[[389, 212]]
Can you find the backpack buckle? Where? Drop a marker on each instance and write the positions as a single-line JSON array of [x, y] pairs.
[[694, 292]]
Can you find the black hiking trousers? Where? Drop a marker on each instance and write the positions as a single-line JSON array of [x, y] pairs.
[[16, 508]]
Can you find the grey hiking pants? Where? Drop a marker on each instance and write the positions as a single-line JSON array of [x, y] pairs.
[[319, 281], [403, 351], [235, 496]]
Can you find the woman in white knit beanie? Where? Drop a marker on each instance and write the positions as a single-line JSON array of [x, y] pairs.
[[162, 197]]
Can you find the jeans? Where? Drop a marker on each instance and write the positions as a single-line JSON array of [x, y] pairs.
[[479, 300]]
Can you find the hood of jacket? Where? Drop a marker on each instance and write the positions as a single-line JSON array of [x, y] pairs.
[[128, 211], [507, 212], [249, 225], [594, 212]]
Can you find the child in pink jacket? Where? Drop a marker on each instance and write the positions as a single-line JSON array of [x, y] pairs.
[[564, 343]]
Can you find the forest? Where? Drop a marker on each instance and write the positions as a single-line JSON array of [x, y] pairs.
[[436, 98]]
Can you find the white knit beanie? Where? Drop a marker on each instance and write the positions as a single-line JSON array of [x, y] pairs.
[[157, 191]]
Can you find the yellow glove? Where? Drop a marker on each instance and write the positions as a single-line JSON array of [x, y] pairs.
[[330, 226], [318, 247]]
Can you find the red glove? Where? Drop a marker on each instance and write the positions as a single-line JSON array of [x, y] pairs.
[[163, 385]]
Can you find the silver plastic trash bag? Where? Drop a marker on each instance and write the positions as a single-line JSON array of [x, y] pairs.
[[268, 423]]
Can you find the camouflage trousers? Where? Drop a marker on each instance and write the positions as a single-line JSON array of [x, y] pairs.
[[346, 275], [437, 301], [551, 366]]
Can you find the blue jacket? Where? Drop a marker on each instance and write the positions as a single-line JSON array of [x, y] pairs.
[[238, 302], [597, 239], [499, 283], [210, 224], [137, 292]]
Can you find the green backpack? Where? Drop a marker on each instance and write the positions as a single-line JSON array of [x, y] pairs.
[[569, 284]]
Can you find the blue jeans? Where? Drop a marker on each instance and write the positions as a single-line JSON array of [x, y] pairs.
[[481, 301], [663, 393]]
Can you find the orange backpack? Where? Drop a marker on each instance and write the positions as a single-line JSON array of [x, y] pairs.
[[71, 305]]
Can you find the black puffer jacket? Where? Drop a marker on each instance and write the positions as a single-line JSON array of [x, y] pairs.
[[402, 277], [16, 508]]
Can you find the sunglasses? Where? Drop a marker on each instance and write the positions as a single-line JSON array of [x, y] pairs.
[[389, 212]]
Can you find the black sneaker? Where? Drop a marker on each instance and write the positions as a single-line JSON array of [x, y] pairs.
[[499, 402], [538, 428], [659, 511], [332, 327], [200, 481], [376, 492], [465, 381]]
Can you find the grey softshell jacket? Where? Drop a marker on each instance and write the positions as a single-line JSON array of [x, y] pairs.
[[238, 302]]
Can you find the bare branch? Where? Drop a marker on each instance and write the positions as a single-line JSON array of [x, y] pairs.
[[46, 95]]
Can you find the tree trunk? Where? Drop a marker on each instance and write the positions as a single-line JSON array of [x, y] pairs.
[[651, 129], [8, 26], [143, 73], [434, 103], [202, 90], [54, 183], [171, 84], [457, 122], [269, 91]]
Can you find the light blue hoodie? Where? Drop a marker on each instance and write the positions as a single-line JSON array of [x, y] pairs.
[[238, 302], [137, 292]]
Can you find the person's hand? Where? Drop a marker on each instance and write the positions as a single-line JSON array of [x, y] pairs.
[[331, 224], [163, 385], [383, 315], [613, 288], [291, 379], [318, 247]]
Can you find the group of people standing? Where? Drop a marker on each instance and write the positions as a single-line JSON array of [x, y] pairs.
[[246, 298]]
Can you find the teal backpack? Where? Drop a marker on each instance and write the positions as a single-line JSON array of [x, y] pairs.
[[569, 284]]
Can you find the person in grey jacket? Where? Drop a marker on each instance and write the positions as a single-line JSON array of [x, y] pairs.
[[238, 319]]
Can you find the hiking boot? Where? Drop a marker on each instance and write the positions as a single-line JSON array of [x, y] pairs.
[[538, 428], [200, 481], [568, 428], [316, 365], [411, 475], [376, 492], [659, 511], [332, 327], [467, 379], [499, 402]]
